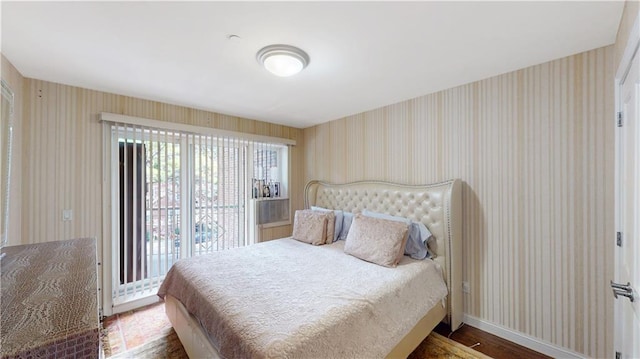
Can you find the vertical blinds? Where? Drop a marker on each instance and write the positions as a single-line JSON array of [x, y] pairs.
[[178, 194]]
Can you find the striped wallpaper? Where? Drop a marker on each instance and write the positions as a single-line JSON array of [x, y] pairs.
[[15, 80], [62, 162], [535, 150]]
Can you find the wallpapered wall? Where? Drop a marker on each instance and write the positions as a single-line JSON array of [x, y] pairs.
[[15, 81], [535, 150], [62, 162], [534, 147]]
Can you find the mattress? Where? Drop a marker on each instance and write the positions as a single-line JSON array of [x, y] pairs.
[[49, 300], [286, 298]]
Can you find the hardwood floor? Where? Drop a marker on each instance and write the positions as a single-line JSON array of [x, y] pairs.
[[490, 344], [131, 329]]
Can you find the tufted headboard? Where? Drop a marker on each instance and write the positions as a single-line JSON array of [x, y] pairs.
[[438, 206]]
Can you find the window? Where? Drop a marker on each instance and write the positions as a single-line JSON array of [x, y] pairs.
[[269, 163], [177, 194]]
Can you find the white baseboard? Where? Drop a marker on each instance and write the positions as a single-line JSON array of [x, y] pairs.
[[521, 338]]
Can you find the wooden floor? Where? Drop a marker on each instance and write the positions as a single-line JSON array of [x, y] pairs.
[[133, 328], [490, 344]]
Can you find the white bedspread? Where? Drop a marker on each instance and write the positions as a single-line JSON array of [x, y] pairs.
[[287, 299]]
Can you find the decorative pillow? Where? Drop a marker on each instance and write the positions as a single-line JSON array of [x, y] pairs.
[[419, 235], [310, 227], [331, 225], [338, 221], [347, 218], [376, 240]]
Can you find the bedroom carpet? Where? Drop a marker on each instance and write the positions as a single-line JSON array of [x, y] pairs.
[[146, 333]]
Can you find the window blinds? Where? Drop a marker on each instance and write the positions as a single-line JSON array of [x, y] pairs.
[[177, 194]]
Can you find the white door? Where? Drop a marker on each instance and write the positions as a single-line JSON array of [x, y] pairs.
[[626, 283]]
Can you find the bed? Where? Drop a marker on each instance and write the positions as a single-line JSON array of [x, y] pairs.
[[291, 299], [50, 300]]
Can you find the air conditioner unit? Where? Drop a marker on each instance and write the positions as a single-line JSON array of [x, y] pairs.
[[270, 212]]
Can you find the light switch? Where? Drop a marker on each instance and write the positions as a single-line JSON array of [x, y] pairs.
[[67, 214], [465, 287]]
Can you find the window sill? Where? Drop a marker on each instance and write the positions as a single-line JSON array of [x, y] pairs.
[[275, 224]]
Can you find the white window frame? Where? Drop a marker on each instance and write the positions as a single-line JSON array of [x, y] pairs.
[[110, 178]]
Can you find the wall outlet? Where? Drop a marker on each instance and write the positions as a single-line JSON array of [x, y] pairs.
[[67, 214], [465, 287]]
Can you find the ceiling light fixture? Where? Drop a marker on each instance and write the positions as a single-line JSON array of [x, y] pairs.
[[283, 60]]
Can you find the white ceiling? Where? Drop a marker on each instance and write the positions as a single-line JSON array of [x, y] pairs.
[[364, 55]]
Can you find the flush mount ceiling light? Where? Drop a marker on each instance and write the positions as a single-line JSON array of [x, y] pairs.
[[283, 60]]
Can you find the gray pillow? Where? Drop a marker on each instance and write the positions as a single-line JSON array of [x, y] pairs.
[[347, 218]]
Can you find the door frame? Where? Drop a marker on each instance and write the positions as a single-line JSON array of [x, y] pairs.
[[631, 50]]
